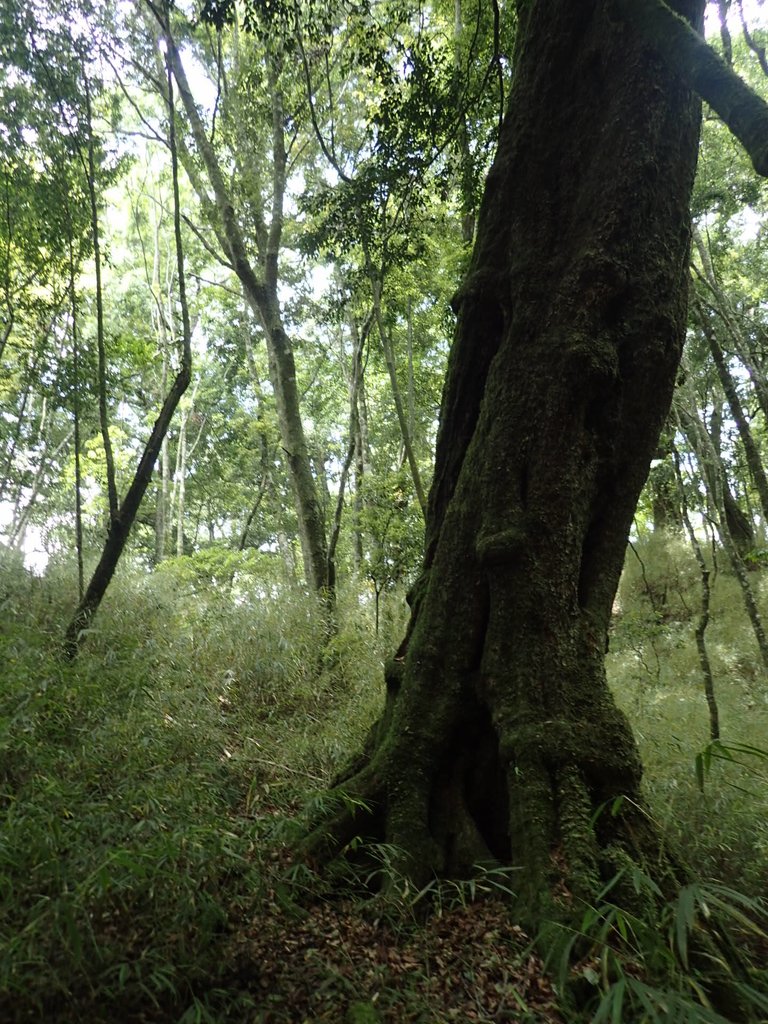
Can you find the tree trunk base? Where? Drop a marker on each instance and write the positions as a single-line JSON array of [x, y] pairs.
[[605, 861]]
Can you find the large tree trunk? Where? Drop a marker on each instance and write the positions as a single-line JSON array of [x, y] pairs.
[[500, 738]]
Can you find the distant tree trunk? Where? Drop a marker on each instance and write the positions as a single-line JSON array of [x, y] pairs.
[[20, 413], [359, 419], [500, 740], [738, 523], [389, 359], [76, 419], [288, 555], [181, 472], [750, 353], [665, 498], [11, 447], [26, 497], [162, 509], [751, 453], [263, 485], [713, 475], [183, 454], [733, 518], [701, 625], [7, 312], [461, 141], [355, 382], [261, 293], [411, 384], [100, 343], [264, 455], [120, 525], [161, 326]]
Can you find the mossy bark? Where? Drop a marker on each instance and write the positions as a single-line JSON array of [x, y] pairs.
[[500, 739]]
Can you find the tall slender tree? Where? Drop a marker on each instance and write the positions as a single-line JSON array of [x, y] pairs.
[[260, 279], [120, 524]]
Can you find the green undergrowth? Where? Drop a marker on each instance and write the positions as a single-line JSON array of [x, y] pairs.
[[642, 957], [714, 807], [147, 791], [142, 787]]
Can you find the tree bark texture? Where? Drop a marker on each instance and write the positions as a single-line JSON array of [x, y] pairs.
[[687, 53], [500, 739]]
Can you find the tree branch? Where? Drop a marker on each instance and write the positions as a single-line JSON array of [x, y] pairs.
[[687, 53], [236, 248]]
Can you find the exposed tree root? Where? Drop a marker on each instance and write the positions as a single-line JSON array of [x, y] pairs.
[[567, 850]]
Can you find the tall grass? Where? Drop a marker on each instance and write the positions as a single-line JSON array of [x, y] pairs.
[[653, 666], [142, 787], [137, 785]]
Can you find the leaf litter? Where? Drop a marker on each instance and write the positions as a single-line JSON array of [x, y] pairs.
[[335, 962]]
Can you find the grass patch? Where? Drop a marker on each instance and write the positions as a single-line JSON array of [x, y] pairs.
[[654, 669], [147, 788], [138, 785]]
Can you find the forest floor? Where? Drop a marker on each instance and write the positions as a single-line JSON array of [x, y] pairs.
[[151, 793], [337, 964]]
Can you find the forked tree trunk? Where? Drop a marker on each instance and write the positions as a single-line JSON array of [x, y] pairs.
[[261, 292], [500, 738]]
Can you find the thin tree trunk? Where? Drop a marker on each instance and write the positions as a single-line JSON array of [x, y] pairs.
[[264, 456], [76, 415], [120, 526], [389, 358], [262, 296], [160, 323], [263, 485], [751, 354], [183, 453], [466, 183], [362, 447], [665, 506], [21, 516], [354, 434], [357, 526], [712, 474], [26, 494], [29, 373], [411, 388], [751, 453], [101, 348], [9, 316], [14, 440], [701, 625], [161, 509], [180, 474]]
